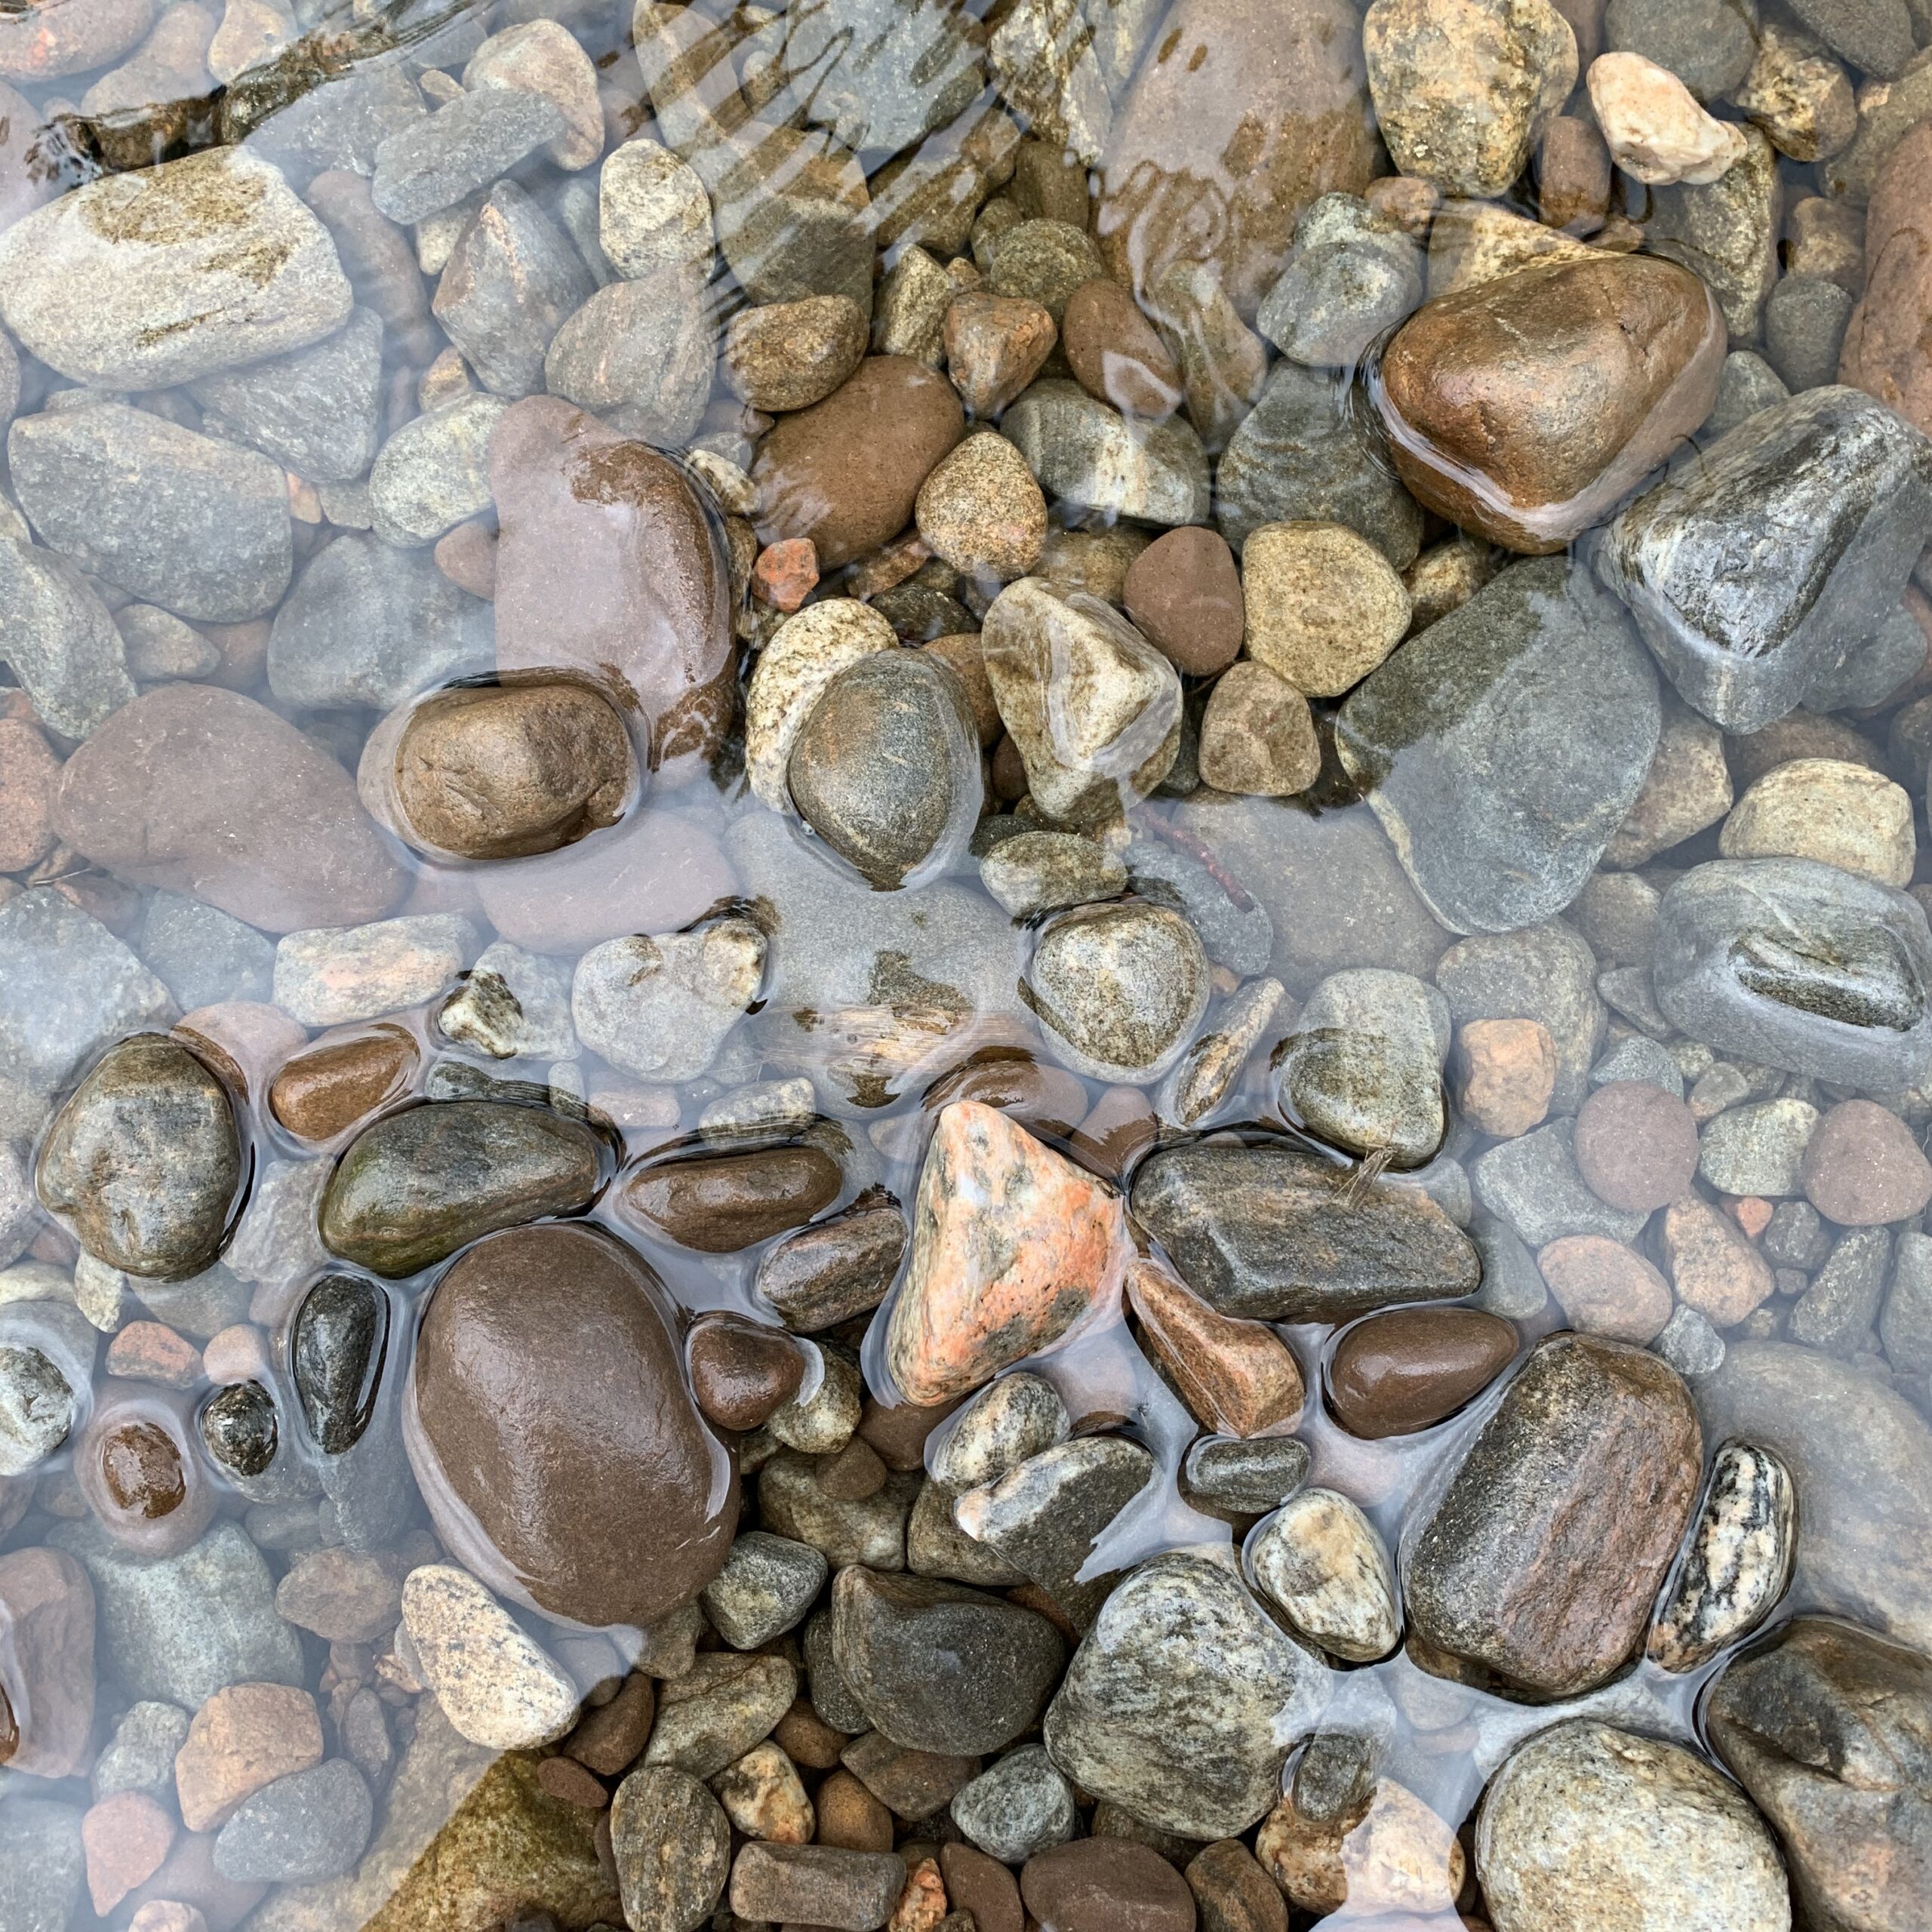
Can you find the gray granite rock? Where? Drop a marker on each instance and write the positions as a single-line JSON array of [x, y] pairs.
[[881, 74], [1089, 457], [1353, 275], [1249, 1477], [312, 1824], [1637, 1058], [1305, 452], [1017, 1807], [1120, 989], [202, 956], [1512, 1285], [1239, 936], [1905, 1325], [1008, 1422], [1690, 1344], [1875, 35], [1838, 1313], [1709, 45], [1726, 232], [58, 640], [197, 525], [1791, 963], [1502, 748], [41, 1864], [428, 164], [434, 472], [644, 350], [1872, 668], [343, 118], [1805, 324], [764, 1587], [1532, 1185], [369, 624], [140, 1754], [1754, 571], [1748, 384]]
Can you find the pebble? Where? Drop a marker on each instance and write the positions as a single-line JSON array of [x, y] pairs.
[[671, 1842], [1257, 737], [1737, 1564], [435, 162], [1838, 1312], [1824, 809], [1386, 1849], [642, 352], [652, 211], [60, 643], [1320, 1560], [1716, 1271], [343, 1597], [511, 1002], [626, 1457], [339, 1081], [1117, 355], [1656, 132], [721, 1204], [837, 1269], [1237, 1378], [1173, 1703], [660, 1006], [765, 1587], [1089, 457], [1323, 608], [764, 1798], [1573, 176], [1505, 1074], [1862, 1167], [1534, 1564], [741, 1371], [1089, 1886], [815, 1885], [1183, 594], [1256, 1232], [1532, 1186], [38, 1406], [1726, 233], [331, 977], [803, 656], [994, 345], [1119, 989], [1690, 1344], [1020, 1806], [542, 57], [48, 1701], [1605, 1287], [1688, 787], [1636, 1146], [823, 1423], [1805, 320], [140, 1756], [170, 273], [1013, 1419], [241, 1739], [981, 511], [1409, 1369], [1042, 871], [310, 1825], [1353, 274], [126, 1838], [496, 1686]]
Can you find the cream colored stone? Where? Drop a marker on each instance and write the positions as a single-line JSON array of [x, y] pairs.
[[542, 57], [1824, 808], [1323, 606], [805, 654], [981, 511], [497, 1686], [1322, 1562], [763, 1797], [1475, 241], [1655, 130], [652, 210], [1799, 95]]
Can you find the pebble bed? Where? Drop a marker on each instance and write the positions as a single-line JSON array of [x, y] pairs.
[[962, 966]]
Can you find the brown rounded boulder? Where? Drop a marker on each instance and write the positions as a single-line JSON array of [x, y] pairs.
[[1527, 408], [554, 1436], [845, 472]]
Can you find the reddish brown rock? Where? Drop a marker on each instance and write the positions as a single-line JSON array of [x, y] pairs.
[[1183, 591], [136, 1465], [741, 1370], [467, 556], [720, 1203], [1036, 1093], [241, 1738], [550, 1428], [1605, 1287], [1526, 407], [208, 793], [1411, 1368], [125, 1838], [1505, 1073], [1107, 1885], [1237, 1378], [1117, 355], [1232, 1891], [1862, 1166], [1540, 1561], [1011, 1245], [1715, 1269], [47, 1662], [845, 473], [1573, 176], [1884, 353], [994, 345], [44, 41], [591, 523], [29, 777], [1241, 114], [980, 1885], [610, 1737], [1636, 1145], [341, 1080], [152, 1352]]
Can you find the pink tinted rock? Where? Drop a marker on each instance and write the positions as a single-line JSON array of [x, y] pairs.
[[47, 1666], [125, 1838], [1862, 1166]]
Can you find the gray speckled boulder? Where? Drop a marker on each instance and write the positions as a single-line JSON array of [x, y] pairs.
[[310, 1825], [432, 163], [1753, 573], [1502, 747], [41, 1864], [57, 639]]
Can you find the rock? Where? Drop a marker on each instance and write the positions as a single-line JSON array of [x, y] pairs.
[[1862, 1167], [1656, 132], [1324, 608], [46, 1699], [1381, 1846], [1320, 1561], [1089, 1885], [855, 1889], [1905, 1326], [157, 1631], [652, 211], [1848, 1816], [720, 1707], [838, 1268], [144, 1160], [341, 974], [1789, 963], [983, 1289], [496, 1687], [1805, 320], [1257, 735], [1688, 787], [1643, 349], [1726, 232], [980, 510], [206, 792], [819, 472], [1408, 1370], [803, 656], [432, 473], [415, 1186], [765, 1587], [338, 1347], [241, 1738], [312, 1824], [1172, 1706], [1041, 872], [1353, 275], [1715, 1270], [59, 641], [1876, 357], [435, 162], [1255, 1231], [883, 764], [1840, 815], [173, 272], [1184, 596], [671, 1844], [644, 351], [1498, 827], [1300, 456], [511, 1002], [1532, 1186], [1710, 47], [1737, 1564], [618, 524], [327, 1088], [1461, 99], [788, 355], [1236, 1377], [1633, 1801], [1540, 1560], [1294, 75], [40, 1881], [720, 1203], [1689, 1343], [341, 1596], [479, 1418], [742, 1372], [240, 1430], [1019, 1807], [939, 1668], [661, 1007], [138, 1470], [126, 1838], [1232, 1891], [1091, 458], [1636, 1147], [995, 346], [197, 525], [1203, 1077], [1018, 1417], [1119, 989], [1838, 1313], [1605, 1287], [1247, 1477], [1505, 1074], [1117, 355]]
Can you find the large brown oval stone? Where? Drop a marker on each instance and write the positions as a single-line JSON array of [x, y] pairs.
[[553, 1435], [719, 1203], [483, 774], [1528, 407], [845, 472], [206, 793], [342, 1079], [1408, 1370]]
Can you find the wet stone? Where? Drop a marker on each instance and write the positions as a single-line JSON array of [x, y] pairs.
[[1636, 1147], [39, 1408], [659, 1006], [436, 161], [838, 1268], [1411, 1368], [1238, 1378], [340, 1346], [766, 1584], [1863, 1168], [1022, 1805], [1090, 1884], [1018, 1417], [1249, 1477], [712, 1715], [1042, 872], [310, 1824], [1089, 457], [719, 1204], [1320, 1561], [330, 977], [1838, 1311], [1120, 989], [1737, 1563], [496, 1687], [333, 1084], [1758, 1149]]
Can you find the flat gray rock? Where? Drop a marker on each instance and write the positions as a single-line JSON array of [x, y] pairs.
[[198, 526], [1532, 1186], [41, 1864], [202, 956], [57, 639], [881, 74], [1546, 973], [429, 164], [1502, 748], [312, 1824]]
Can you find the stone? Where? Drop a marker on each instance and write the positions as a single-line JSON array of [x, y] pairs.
[[214, 252], [1687, 787], [542, 57], [718, 1710], [1715, 1270], [206, 792], [1174, 1703], [1042, 872], [1862, 1167], [1540, 1560], [342, 1597], [1183, 595], [1838, 814], [1319, 1560], [337, 1083], [41, 1880], [1790, 963], [672, 1844], [1481, 864], [1836, 1313], [126, 1838], [788, 355], [1020, 1806], [310, 1824], [46, 1694], [445, 157], [1090, 458], [241, 1738], [883, 764], [1323, 608], [1202, 1079], [855, 1889], [799, 662], [1656, 132], [496, 1687], [741, 1371], [164, 1127], [511, 1002], [720, 1203], [332, 977], [197, 525], [1352, 275], [994, 345], [825, 1274], [1237, 1378], [1876, 357], [1505, 1074], [1117, 355], [1709, 46], [652, 211], [1805, 320], [1462, 97], [1382, 1847], [939, 1668], [1257, 736], [1605, 1287], [1726, 232], [1634, 1802], [1232, 1893], [1008, 1423], [432, 474], [661, 1007], [1119, 989], [1636, 1147], [765, 1587], [763, 1798], [1088, 1885], [1257, 1232], [415, 1186], [983, 1289], [57, 639], [1409, 1369], [980, 510], [1532, 1185]]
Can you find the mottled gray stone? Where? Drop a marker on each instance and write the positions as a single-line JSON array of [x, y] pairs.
[[140, 1754], [41, 1864], [1637, 1058], [1726, 232], [1689, 1343], [1758, 1149], [1120, 989], [1501, 749], [1709, 45], [1018, 1417], [203, 955], [1353, 275], [1249, 1477], [1041, 872], [434, 472], [1090, 457], [1805, 324], [1875, 35], [58, 640], [881, 74], [1532, 1184], [432, 163], [1748, 384], [1019, 1806], [1736, 1564], [1839, 1311], [645, 350], [1872, 669], [764, 1587], [312, 1824], [1906, 1325], [197, 525], [1512, 1285]]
